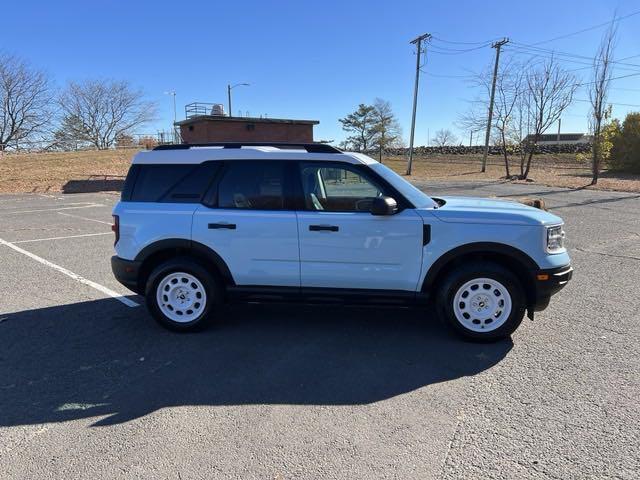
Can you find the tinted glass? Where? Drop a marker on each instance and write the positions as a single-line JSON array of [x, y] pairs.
[[192, 186], [172, 183], [252, 185], [337, 189]]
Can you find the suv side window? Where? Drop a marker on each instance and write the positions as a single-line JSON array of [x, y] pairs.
[[337, 188], [171, 183], [253, 185]]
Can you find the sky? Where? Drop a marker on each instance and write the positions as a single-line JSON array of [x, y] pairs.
[[315, 60]]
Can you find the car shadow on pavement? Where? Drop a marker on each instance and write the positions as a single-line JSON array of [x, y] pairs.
[[101, 359]]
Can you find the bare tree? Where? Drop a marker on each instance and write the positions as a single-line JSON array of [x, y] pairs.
[[388, 132], [99, 112], [25, 101], [509, 91], [522, 124], [361, 123], [444, 137], [598, 93], [550, 91]]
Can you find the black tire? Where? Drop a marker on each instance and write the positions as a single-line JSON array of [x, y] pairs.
[[208, 281], [458, 277]]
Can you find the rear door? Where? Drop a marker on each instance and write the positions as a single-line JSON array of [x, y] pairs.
[[251, 224], [342, 245]]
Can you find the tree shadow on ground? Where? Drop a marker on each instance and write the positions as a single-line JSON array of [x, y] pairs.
[[94, 184], [102, 359]]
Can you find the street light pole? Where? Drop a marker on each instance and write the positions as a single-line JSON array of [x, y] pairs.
[[231, 87], [175, 118]]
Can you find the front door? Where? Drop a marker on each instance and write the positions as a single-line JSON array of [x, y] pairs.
[[342, 245], [251, 225]]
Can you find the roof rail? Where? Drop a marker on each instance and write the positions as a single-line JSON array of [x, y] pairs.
[[309, 147]]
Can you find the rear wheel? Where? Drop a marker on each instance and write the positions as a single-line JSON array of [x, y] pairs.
[[482, 301], [181, 295]]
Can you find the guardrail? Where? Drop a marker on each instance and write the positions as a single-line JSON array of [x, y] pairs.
[[198, 109]]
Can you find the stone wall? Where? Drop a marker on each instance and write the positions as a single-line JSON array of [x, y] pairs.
[[493, 150]]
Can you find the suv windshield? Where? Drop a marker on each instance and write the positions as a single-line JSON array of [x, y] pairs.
[[415, 196]]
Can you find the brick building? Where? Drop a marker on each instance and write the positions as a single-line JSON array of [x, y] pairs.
[[207, 126]]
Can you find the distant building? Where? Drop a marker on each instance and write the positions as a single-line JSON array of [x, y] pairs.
[[207, 123], [565, 139]]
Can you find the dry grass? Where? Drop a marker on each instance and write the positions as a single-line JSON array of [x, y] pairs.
[[553, 170], [50, 172], [105, 170]]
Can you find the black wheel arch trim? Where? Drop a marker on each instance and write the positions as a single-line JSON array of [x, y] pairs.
[[188, 246], [477, 248]]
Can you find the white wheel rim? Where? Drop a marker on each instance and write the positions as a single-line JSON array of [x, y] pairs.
[[482, 305], [181, 297]]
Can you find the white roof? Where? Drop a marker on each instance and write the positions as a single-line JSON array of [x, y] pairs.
[[203, 154]]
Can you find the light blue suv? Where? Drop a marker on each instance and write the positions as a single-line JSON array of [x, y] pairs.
[[198, 225]]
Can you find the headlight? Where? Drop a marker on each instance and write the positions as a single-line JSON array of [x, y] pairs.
[[555, 239]]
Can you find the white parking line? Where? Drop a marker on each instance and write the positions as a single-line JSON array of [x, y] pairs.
[[84, 218], [62, 238], [46, 195], [55, 209], [67, 204], [75, 276]]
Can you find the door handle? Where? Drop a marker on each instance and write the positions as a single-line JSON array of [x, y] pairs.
[[218, 226], [328, 228]]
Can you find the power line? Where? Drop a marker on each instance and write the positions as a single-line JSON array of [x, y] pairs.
[[625, 89], [542, 51], [631, 56], [609, 103], [587, 65], [613, 78], [470, 76], [594, 27], [516, 49], [486, 42], [456, 51]]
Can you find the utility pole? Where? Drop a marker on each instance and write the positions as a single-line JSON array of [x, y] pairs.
[[497, 46], [175, 129], [559, 124], [418, 43]]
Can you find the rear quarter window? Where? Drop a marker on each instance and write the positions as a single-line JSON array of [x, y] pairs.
[[170, 183]]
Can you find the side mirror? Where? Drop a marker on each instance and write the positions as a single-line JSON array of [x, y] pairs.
[[384, 206]]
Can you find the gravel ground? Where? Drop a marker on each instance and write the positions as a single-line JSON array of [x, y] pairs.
[[92, 388]]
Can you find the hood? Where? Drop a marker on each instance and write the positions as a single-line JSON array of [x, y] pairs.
[[485, 210]]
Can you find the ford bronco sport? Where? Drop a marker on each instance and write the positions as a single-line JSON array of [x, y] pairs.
[[198, 225]]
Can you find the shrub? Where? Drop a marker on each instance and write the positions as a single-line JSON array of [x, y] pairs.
[[625, 150], [610, 134]]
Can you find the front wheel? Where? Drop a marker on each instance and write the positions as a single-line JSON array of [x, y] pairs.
[[482, 301], [181, 295]]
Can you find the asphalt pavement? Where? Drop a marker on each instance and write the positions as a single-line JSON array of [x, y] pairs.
[[91, 387]]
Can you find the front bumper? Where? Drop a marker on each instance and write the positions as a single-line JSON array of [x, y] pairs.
[[548, 283], [127, 273]]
